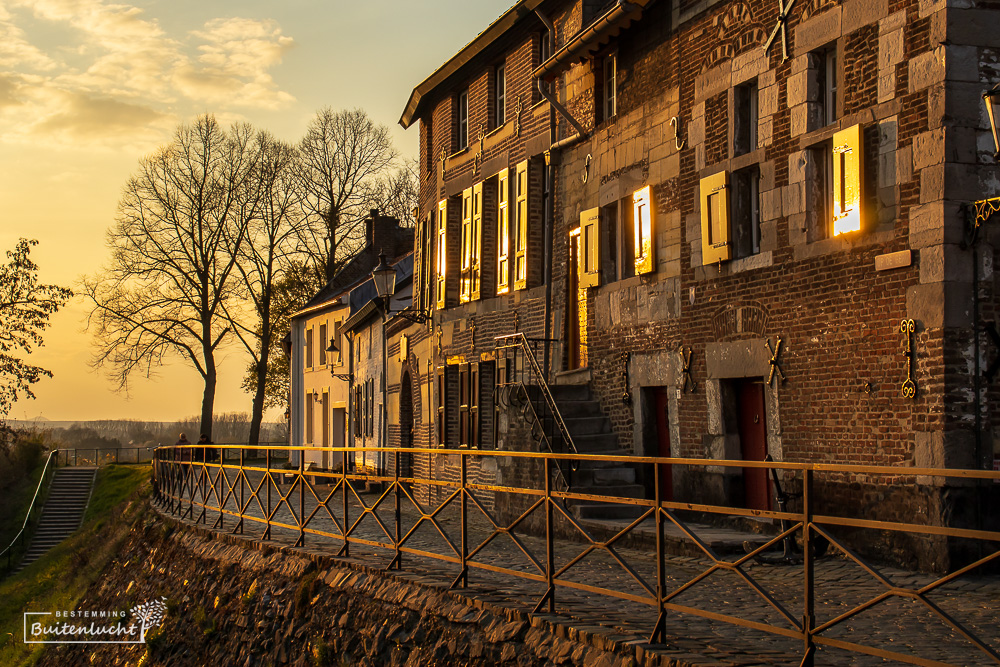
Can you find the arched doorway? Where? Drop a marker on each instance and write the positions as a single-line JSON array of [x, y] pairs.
[[406, 425]]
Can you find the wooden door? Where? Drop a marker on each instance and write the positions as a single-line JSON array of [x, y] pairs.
[[663, 444], [753, 442]]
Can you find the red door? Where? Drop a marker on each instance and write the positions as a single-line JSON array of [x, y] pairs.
[[663, 444], [753, 443]]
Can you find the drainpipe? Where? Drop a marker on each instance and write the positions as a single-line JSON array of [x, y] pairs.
[[550, 165]]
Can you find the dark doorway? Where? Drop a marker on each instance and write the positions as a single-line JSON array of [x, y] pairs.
[[656, 439], [405, 425], [752, 428]]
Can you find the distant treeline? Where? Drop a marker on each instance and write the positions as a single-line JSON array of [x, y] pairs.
[[230, 427]]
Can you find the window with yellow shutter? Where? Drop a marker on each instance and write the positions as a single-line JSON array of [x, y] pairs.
[[642, 233], [465, 293], [442, 260], [476, 242], [503, 234], [590, 248], [521, 226], [847, 179], [715, 218]]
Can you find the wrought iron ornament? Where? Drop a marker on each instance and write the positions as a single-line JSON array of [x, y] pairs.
[[686, 371], [775, 364], [627, 396], [909, 388], [782, 27]]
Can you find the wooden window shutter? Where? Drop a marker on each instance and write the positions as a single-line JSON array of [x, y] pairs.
[[442, 258], [590, 248], [715, 218], [503, 234], [442, 428], [476, 272], [642, 219], [521, 227], [465, 293], [848, 167]]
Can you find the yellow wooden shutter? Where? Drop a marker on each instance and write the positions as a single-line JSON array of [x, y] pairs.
[[465, 292], [590, 248], [642, 218], [476, 244], [715, 218], [521, 227], [503, 235], [848, 168], [442, 259]]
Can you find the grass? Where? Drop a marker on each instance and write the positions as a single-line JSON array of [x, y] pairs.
[[59, 579], [16, 501]]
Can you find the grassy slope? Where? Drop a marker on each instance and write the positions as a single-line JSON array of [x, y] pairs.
[[15, 504], [56, 581]]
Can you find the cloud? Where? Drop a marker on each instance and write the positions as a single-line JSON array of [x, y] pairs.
[[236, 55], [115, 71]]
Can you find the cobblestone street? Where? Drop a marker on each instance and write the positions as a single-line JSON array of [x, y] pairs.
[[897, 623]]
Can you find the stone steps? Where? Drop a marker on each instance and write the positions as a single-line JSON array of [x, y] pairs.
[[63, 512]]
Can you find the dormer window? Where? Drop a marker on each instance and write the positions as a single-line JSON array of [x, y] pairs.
[[463, 120]]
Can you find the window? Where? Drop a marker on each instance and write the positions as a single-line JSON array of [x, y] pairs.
[[608, 245], [463, 120], [610, 86], [472, 224], [310, 403], [325, 420], [442, 427], [442, 231], [642, 232], [426, 260], [848, 176], [823, 64], [323, 343], [590, 248], [745, 118], [503, 234], [521, 227], [544, 53], [501, 95], [746, 212], [309, 348], [358, 411], [468, 408], [715, 218]]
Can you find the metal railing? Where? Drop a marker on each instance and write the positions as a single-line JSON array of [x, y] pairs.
[[778, 602], [520, 378], [19, 542], [102, 456]]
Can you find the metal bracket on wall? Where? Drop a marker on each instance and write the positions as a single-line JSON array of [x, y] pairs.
[[686, 370], [909, 388], [586, 168], [678, 142], [626, 397], [440, 347], [775, 364], [472, 332]]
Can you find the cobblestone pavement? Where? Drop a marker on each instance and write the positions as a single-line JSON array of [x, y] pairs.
[[899, 624]]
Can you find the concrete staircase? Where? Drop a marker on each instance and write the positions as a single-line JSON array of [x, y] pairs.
[[63, 511], [592, 434]]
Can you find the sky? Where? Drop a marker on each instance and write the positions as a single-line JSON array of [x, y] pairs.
[[87, 87]]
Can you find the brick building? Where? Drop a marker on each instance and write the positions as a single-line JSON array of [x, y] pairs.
[[711, 220]]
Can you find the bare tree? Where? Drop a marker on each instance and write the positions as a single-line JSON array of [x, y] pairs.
[[265, 256], [344, 154], [25, 308], [397, 193], [179, 221]]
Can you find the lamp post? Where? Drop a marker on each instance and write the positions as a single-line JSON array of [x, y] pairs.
[[384, 277]]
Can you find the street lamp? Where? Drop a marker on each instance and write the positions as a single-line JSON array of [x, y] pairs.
[[384, 277], [992, 99]]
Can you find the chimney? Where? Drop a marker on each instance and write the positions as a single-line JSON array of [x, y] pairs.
[[370, 228]]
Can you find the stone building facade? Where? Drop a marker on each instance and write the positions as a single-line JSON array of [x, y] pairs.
[[720, 221]]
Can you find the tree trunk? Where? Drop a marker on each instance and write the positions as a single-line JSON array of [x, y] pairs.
[[208, 398], [258, 398]]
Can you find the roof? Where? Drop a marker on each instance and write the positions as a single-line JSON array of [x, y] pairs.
[[363, 297], [484, 40]]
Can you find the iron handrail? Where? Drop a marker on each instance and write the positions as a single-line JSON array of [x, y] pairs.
[[518, 340], [9, 551], [188, 486]]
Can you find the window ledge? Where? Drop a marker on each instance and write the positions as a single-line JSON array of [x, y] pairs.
[[759, 261], [840, 244]]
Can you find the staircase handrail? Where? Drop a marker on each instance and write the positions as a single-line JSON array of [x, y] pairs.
[[519, 340], [27, 517]]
